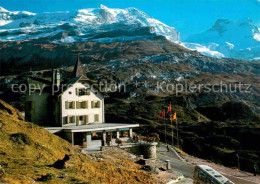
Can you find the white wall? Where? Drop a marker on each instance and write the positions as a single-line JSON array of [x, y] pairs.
[[79, 112]]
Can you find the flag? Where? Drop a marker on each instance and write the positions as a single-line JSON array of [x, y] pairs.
[[173, 116], [169, 108], [161, 114]]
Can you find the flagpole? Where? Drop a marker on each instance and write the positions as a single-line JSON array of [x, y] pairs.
[[172, 133], [178, 145], [165, 129], [171, 122]]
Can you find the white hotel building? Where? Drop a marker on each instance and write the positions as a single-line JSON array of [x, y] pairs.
[[75, 112]]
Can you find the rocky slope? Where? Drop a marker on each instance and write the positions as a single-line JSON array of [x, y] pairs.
[[35, 54]]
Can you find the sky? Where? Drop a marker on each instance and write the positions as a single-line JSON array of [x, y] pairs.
[[188, 16]]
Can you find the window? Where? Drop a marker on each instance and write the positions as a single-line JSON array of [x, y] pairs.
[[70, 92], [96, 118], [65, 120], [70, 105], [82, 120], [95, 104], [70, 119], [82, 91], [82, 105], [85, 119]]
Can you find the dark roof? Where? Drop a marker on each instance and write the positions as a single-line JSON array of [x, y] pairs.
[[78, 69], [38, 82]]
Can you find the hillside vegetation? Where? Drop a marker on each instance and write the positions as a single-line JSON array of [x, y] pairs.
[[29, 154], [213, 131]]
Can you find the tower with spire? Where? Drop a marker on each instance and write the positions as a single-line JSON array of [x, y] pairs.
[[78, 69]]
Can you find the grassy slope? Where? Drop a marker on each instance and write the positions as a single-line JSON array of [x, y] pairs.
[[26, 150]]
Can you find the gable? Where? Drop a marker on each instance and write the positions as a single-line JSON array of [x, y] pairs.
[[82, 83]]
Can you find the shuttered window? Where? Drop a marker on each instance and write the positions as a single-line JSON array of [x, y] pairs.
[[85, 119], [70, 105], [82, 104], [65, 120], [82, 91], [88, 92], [96, 118], [71, 119], [82, 120], [77, 120], [95, 104]]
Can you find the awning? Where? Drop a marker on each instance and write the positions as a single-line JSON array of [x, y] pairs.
[[95, 127]]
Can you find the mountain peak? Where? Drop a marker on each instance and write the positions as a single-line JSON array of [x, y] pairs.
[[220, 25], [3, 10], [101, 6], [237, 39], [86, 22]]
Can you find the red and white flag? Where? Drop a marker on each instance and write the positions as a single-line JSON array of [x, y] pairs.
[[169, 109]]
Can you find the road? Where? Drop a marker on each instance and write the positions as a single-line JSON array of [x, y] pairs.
[[187, 168]]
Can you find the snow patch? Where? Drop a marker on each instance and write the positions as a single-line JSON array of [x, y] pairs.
[[230, 45], [68, 39], [257, 36], [202, 49], [3, 10]]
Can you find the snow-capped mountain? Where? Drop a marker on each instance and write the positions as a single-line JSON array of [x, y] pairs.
[[93, 24], [227, 38], [7, 17]]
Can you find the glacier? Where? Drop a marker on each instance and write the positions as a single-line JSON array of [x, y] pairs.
[[226, 38], [234, 39], [82, 24]]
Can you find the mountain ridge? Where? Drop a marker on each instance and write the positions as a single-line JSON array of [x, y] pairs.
[[85, 23], [226, 38], [235, 39]]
